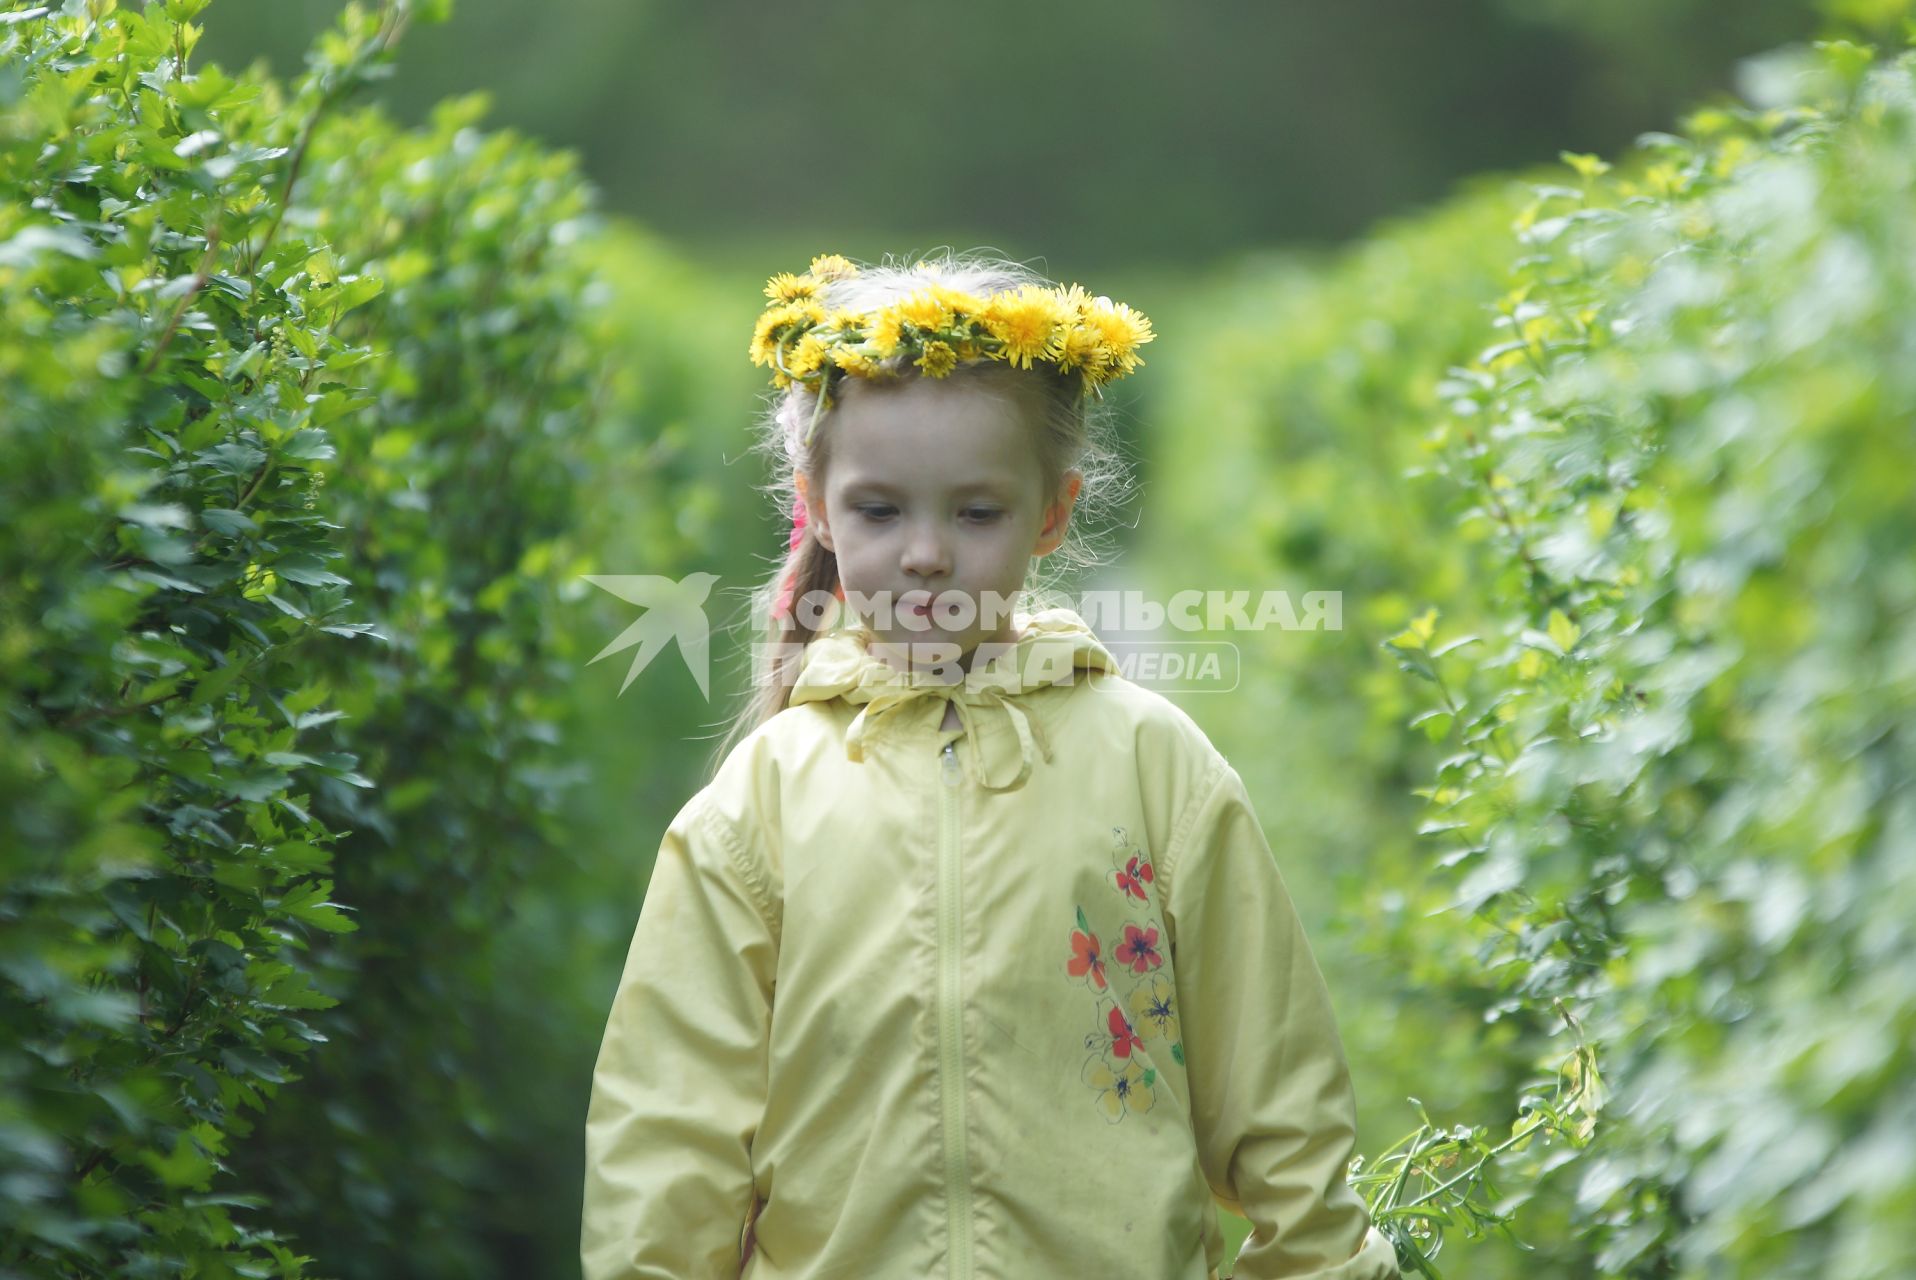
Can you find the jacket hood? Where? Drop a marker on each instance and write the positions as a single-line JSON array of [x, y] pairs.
[[1053, 646]]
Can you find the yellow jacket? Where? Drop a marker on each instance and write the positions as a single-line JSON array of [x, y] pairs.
[[1012, 1000]]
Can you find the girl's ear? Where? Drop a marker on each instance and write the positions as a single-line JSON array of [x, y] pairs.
[[1058, 515], [814, 512]]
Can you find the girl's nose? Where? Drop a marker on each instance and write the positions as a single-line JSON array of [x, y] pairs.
[[926, 551]]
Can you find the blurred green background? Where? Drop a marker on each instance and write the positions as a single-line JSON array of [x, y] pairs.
[[1570, 437], [1097, 137]]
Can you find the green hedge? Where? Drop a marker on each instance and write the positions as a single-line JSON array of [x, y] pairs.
[[1289, 402], [1680, 786], [1646, 481], [522, 434], [170, 366], [312, 426], [316, 849]]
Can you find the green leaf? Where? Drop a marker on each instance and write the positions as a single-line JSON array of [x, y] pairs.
[[256, 786], [307, 903], [228, 521], [1563, 632]]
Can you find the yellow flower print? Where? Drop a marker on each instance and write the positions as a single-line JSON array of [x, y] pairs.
[[1154, 1008], [1127, 1088]]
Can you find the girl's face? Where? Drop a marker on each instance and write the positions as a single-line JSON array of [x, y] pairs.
[[933, 504]]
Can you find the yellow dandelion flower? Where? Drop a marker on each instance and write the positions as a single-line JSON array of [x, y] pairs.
[[938, 359], [765, 334], [786, 287], [1098, 375], [775, 319], [925, 309], [1026, 323], [1082, 348], [888, 332], [845, 320], [854, 361], [1122, 331], [804, 359], [960, 304], [829, 266]]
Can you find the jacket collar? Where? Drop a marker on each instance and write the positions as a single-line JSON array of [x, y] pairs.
[[1053, 645]]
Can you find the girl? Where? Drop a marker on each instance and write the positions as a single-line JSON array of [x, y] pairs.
[[970, 959]]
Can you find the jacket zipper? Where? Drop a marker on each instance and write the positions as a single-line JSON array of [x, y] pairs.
[[951, 1020]]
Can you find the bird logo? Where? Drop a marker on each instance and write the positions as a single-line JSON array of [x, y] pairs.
[[672, 609]]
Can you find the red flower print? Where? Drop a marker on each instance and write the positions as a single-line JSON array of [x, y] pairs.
[[1124, 1037], [1131, 866], [1133, 876], [1087, 955], [1115, 1034], [1139, 949]]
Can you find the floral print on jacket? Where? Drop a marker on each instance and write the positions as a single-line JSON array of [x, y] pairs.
[[1118, 1071]]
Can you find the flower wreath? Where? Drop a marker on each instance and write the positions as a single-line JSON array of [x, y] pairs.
[[937, 327]]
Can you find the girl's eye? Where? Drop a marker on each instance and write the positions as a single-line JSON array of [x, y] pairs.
[[881, 511]]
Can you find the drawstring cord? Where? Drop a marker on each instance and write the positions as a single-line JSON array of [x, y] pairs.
[[875, 714]]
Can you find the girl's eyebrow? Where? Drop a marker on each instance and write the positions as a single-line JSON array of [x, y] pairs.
[[879, 487]]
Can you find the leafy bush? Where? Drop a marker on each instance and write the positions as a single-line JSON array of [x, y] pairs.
[[1680, 785], [519, 436], [1662, 518], [312, 424], [169, 363], [1290, 400], [305, 421]]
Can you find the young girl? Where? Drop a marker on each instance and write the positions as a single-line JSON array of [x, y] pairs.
[[971, 959]]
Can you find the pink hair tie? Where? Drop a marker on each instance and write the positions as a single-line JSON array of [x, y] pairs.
[[798, 525], [782, 607]]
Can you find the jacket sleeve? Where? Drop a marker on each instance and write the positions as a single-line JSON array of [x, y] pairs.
[[679, 1087], [1271, 1096]]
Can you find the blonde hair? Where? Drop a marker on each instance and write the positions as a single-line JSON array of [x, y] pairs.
[[1075, 431]]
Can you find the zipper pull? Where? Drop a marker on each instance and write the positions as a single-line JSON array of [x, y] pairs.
[[950, 754]]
